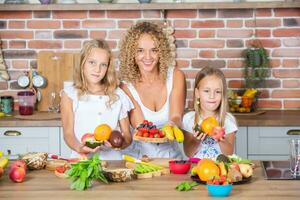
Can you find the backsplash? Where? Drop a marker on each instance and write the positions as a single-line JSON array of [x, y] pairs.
[[215, 37]]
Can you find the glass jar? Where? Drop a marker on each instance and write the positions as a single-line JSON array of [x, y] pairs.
[[7, 104], [26, 102]]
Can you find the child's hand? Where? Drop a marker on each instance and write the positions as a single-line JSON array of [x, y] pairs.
[[107, 144], [86, 150], [218, 134], [199, 136]]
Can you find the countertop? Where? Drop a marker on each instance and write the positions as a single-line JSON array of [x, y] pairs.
[[42, 184], [269, 118]]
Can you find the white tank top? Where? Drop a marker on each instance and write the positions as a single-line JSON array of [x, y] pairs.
[[159, 118]]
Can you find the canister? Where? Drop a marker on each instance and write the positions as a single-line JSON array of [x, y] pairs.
[[7, 104]]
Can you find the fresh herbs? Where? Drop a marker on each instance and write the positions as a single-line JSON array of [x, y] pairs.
[[83, 173], [186, 186]]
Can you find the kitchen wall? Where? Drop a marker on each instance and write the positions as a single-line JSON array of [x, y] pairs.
[[203, 37]]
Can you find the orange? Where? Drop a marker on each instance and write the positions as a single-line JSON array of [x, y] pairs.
[[102, 132], [207, 169], [208, 124]]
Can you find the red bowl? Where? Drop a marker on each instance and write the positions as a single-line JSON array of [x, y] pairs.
[[179, 166]]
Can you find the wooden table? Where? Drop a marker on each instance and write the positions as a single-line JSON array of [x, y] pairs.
[[43, 184]]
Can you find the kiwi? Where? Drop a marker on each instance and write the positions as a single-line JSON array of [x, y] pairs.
[[223, 158], [93, 144]]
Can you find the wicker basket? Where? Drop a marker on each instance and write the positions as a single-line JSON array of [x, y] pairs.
[[35, 160]]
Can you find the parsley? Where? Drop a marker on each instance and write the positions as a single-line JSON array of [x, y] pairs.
[[83, 173]]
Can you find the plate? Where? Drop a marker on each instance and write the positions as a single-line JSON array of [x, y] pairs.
[[243, 181], [151, 140]]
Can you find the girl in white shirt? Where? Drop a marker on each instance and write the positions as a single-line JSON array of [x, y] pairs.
[[95, 99], [210, 99]]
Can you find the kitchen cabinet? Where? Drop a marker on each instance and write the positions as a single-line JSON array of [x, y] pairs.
[[65, 151], [31, 139], [269, 143], [241, 142]]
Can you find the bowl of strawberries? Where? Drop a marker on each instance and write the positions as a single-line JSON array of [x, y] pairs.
[[219, 186]]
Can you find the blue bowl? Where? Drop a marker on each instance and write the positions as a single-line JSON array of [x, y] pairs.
[[219, 190]]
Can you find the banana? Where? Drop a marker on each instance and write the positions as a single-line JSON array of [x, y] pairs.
[[1, 154], [3, 162], [178, 134], [250, 93], [168, 130]]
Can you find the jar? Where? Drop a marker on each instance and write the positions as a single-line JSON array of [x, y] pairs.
[[7, 104], [26, 102]]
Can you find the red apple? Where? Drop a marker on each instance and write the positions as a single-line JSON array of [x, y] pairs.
[[219, 133], [17, 164], [87, 137], [17, 174]]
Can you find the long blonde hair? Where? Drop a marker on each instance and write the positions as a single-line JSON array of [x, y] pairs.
[[109, 81], [223, 107], [128, 67]]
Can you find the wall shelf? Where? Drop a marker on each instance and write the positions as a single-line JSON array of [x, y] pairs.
[[150, 6]]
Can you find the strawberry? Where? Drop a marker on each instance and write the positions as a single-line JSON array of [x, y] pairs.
[[139, 133], [145, 121], [153, 131], [151, 136], [216, 182], [161, 133], [149, 123], [145, 134]]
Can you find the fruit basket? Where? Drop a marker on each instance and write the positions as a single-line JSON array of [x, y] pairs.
[[148, 132], [243, 101], [148, 139]]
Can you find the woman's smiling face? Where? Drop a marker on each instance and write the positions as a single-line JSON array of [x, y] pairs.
[[209, 91], [146, 53]]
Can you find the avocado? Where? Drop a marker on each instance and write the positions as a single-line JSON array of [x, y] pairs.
[[223, 158], [197, 128], [93, 143]]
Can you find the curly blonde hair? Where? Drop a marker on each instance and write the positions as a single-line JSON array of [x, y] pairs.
[[128, 67], [223, 107], [109, 81]]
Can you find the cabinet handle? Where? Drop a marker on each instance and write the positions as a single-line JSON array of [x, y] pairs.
[[12, 133], [293, 132]]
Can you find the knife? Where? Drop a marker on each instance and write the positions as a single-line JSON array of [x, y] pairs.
[[135, 160]]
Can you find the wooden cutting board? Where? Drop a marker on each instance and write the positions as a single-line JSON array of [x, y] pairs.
[[56, 68]]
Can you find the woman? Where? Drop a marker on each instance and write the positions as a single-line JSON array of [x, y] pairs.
[[157, 90]]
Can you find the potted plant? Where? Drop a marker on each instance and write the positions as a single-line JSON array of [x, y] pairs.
[[256, 65]]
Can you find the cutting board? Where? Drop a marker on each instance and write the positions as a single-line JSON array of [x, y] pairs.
[[56, 68]]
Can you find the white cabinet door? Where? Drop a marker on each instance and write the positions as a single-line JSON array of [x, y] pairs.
[[269, 143], [241, 142], [65, 150], [31, 139]]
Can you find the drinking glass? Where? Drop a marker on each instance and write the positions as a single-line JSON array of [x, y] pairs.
[[295, 157], [54, 102]]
